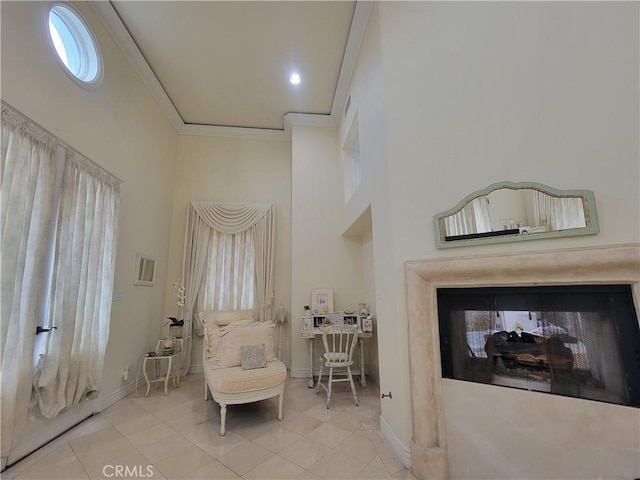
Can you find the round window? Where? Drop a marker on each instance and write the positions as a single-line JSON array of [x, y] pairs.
[[75, 45]]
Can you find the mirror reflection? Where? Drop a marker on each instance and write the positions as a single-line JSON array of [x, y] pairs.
[[515, 210], [505, 209]]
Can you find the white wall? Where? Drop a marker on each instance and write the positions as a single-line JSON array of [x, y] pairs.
[[479, 92], [510, 205], [369, 297], [369, 100], [120, 127], [320, 256], [233, 170], [484, 92]]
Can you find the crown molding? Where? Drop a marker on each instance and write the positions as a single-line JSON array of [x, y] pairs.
[[123, 39], [354, 42], [239, 132], [119, 33]]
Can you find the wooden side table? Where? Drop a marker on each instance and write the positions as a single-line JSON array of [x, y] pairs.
[[155, 360]]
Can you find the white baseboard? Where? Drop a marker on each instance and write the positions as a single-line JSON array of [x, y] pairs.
[[299, 373], [403, 452], [113, 397]]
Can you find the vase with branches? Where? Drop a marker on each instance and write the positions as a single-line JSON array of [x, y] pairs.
[[180, 299]]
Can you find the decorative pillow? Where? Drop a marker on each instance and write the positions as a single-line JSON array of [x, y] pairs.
[[252, 356], [213, 319], [225, 346], [213, 334], [229, 318], [212, 340], [226, 317]]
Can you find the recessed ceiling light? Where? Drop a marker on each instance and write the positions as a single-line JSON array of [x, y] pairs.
[[295, 78]]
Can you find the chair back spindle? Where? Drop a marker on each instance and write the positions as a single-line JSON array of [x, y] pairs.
[[339, 344]]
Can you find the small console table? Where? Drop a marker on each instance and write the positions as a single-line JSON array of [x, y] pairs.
[[313, 325], [170, 373]]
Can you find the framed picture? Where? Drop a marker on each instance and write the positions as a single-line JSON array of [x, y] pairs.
[[322, 301], [145, 273], [367, 325], [307, 324], [505, 224]]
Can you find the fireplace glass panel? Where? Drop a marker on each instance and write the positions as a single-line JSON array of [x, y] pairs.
[[578, 341]]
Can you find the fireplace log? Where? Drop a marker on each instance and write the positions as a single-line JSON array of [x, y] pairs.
[[542, 352], [530, 359]]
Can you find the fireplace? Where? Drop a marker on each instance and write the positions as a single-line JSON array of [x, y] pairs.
[[580, 341], [473, 429]]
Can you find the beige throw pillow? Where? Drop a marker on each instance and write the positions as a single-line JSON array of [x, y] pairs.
[[225, 351], [234, 318], [226, 317], [213, 320]]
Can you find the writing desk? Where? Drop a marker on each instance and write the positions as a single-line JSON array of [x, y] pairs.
[[311, 334]]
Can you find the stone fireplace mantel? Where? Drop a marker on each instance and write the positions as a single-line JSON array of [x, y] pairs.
[[601, 265]]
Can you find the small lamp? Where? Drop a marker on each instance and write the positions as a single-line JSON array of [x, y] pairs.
[[280, 319]]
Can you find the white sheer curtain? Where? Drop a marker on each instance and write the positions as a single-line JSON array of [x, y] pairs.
[[229, 279], [71, 367], [473, 218], [58, 221], [27, 218], [205, 218], [558, 213]]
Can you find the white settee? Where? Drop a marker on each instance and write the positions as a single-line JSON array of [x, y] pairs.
[[229, 383]]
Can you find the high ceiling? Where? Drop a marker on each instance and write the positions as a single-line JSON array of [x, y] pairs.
[[227, 63]]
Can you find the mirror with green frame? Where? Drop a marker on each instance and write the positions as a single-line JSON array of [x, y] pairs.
[[511, 212]]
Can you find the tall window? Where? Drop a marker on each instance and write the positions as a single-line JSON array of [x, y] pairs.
[[228, 259], [229, 281], [352, 167], [58, 219]]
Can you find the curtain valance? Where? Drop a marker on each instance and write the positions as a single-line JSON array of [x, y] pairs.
[[231, 218]]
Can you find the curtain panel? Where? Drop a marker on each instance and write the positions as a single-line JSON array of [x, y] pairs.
[[58, 222], [472, 218], [82, 287], [229, 280], [27, 219], [205, 217], [558, 213]]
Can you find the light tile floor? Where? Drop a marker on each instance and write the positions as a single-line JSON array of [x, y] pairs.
[[177, 436]]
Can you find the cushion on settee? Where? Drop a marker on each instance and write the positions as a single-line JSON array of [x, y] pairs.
[[223, 345], [237, 380], [226, 317]]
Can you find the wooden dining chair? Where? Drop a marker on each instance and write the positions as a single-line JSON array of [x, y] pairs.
[[339, 343]]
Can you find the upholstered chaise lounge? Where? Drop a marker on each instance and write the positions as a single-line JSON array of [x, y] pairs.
[[229, 381]]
